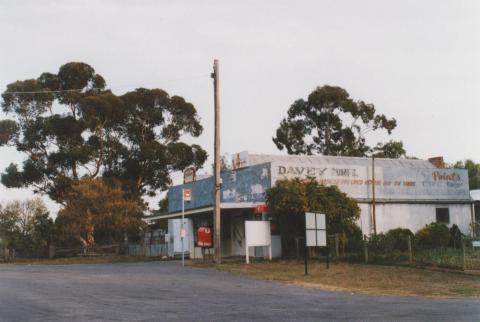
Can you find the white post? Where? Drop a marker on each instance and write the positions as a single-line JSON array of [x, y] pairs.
[[270, 251], [181, 226]]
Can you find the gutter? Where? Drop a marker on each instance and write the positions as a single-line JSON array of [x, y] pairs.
[[225, 205]]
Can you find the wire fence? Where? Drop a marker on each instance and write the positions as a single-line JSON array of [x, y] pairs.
[[149, 250], [406, 252]]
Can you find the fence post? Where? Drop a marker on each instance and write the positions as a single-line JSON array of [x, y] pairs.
[[51, 251], [337, 252], [410, 255], [365, 250], [464, 264]]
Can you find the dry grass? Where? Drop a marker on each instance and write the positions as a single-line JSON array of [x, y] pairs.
[[359, 278]]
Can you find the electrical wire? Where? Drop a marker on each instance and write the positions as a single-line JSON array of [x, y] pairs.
[[97, 88]]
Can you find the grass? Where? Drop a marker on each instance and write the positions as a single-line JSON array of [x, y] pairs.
[[82, 260], [467, 291], [359, 278], [449, 258]]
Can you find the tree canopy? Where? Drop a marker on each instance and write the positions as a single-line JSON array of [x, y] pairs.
[[97, 212], [26, 227], [391, 149], [290, 199], [330, 122], [69, 125], [473, 172]]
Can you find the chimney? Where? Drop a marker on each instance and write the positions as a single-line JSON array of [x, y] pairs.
[[437, 162]]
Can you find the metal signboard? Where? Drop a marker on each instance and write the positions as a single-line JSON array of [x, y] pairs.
[[315, 226], [204, 237], [187, 194]]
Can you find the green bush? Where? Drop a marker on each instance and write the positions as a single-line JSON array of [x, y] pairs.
[[288, 201], [378, 243], [455, 237], [398, 238], [434, 235], [354, 240], [393, 240]]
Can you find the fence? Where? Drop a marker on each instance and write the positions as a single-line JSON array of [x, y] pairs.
[[154, 250], [405, 252], [145, 249]]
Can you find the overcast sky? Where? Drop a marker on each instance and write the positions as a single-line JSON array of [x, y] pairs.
[[417, 61]]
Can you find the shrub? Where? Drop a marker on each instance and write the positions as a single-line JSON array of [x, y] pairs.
[[288, 201], [455, 237], [354, 240], [393, 240], [398, 238], [432, 236], [378, 244]]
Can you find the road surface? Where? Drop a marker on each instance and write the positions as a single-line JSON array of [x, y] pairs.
[[164, 291]]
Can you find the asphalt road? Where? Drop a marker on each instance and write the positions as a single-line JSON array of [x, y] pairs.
[[164, 291]]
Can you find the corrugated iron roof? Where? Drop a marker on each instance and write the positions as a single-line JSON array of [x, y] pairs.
[[336, 160]]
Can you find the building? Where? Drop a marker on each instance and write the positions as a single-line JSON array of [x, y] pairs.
[[404, 193]]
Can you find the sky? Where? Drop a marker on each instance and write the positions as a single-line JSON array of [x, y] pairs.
[[417, 61]]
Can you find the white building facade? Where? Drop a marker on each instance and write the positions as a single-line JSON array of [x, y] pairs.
[[391, 193]]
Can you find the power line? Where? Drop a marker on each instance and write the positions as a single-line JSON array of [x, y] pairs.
[[97, 88], [50, 91]]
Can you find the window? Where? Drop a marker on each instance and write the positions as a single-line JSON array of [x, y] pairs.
[[443, 215]]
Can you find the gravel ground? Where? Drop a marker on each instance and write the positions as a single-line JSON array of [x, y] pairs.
[[164, 291]]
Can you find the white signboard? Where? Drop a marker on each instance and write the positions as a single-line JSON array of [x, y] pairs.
[[257, 233], [315, 226], [476, 243]]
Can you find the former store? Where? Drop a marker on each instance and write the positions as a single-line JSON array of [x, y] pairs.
[[391, 193]]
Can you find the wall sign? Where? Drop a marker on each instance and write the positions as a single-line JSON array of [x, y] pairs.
[[390, 182]]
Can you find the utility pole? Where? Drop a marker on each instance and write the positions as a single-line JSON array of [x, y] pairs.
[[373, 197], [182, 228], [216, 162]]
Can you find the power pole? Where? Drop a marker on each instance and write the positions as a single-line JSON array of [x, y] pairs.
[[216, 162], [373, 197]]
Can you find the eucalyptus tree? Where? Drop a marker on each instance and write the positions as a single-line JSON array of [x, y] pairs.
[[330, 122], [69, 125]]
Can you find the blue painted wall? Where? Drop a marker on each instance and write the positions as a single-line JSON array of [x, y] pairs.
[[243, 185]]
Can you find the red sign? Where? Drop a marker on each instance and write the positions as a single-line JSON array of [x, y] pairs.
[[204, 237], [187, 194], [260, 209]]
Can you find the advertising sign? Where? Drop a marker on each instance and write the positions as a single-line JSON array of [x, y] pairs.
[[390, 182], [204, 237]]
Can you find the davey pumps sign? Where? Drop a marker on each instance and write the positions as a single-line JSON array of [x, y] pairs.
[[316, 172], [390, 182]]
